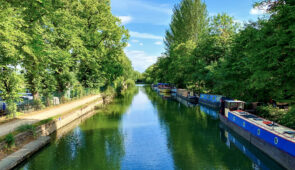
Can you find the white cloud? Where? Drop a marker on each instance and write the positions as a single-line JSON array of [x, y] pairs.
[[134, 41], [145, 35], [125, 19], [140, 60], [141, 44], [158, 43], [259, 10], [128, 45]]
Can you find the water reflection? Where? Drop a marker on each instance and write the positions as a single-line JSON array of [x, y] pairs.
[[196, 142], [259, 160], [98, 143], [209, 111], [144, 130]]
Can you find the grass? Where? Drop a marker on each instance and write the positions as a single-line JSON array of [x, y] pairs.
[[26, 127], [9, 139]]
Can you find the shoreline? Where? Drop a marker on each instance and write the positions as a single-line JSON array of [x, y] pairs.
[[41, 135]]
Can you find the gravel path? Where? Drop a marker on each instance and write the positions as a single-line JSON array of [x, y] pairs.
[[47, 113]]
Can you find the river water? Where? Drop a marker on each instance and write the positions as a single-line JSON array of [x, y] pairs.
[[145, 130]]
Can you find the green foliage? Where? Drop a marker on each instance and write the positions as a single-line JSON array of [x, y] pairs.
[[51, 46], [9, 139], [253, 63], [289, 118], [45, 121], [281, 116], [130, 83], [119, 85], [26, 127], [10, 86]]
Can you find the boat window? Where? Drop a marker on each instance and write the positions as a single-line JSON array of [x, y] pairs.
[[235, 105]]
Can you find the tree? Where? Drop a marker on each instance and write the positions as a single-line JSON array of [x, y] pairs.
[[12, 39]]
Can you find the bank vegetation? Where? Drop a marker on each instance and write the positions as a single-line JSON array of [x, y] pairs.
[[251, 61], [53, 46]]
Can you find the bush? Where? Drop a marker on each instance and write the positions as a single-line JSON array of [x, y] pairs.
[[280, 116], [9, 139], [38, 105], [12, 108], [130, 83], [26, 127], [289, 119], [119, 85]]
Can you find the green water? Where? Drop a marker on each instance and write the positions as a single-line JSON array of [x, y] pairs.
[[144, 130]]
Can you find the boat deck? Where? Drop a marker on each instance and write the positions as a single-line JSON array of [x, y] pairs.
[[277, 129]]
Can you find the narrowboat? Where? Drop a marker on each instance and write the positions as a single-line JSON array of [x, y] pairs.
[[183, 101], [164, 88], [211, 100], [188, 96], [273, 139]]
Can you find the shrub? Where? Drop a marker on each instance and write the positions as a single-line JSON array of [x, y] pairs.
[[26, 127], [119, 85], [280, 116], [42, 122], [38, 105], [130, 83], [9, 139], [289, 119]]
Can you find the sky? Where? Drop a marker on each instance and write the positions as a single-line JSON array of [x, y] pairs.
[[147, 21]]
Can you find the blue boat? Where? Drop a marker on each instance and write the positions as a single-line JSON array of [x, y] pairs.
[[211, 100], [273, 139]]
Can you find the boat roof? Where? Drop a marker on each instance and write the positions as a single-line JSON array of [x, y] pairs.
[[278, 129], [163, 83], [234, 101]]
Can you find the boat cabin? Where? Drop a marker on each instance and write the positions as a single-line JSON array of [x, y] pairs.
[[164, 86], [231, 105]]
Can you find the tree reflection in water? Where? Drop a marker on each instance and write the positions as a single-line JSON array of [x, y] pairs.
[[98, 143]]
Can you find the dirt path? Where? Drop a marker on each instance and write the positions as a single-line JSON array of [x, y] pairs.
[[45, 114]]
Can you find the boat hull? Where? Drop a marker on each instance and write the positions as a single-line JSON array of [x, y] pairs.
[[165, 90], [210, 100], [191, 100], [282, 157]]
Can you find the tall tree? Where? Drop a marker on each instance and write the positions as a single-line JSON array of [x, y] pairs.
[[12, 39]]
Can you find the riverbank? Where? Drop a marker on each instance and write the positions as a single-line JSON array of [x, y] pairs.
[[42, 128], [37, 116]]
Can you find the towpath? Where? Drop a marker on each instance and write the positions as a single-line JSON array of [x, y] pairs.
[[45, 114]]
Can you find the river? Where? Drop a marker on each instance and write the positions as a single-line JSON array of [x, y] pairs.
[[144, 130]]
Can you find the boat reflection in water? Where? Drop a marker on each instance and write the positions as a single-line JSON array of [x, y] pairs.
[[209, 111], [259, 159], [181, 100], [165, 96]]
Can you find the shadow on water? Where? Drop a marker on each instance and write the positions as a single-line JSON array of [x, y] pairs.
[[197, 140]]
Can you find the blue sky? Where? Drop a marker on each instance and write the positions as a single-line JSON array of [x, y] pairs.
[[147, 21]]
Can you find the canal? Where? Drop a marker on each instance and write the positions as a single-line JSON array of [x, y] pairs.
[[145, 130]]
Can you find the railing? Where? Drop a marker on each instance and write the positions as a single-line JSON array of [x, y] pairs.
[[27, 105]]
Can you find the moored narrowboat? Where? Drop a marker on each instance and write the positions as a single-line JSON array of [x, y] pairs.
[[273, 139], [211, 100], [187, 95], [164, 88]]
